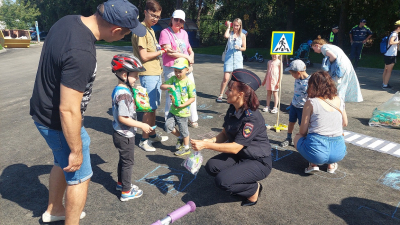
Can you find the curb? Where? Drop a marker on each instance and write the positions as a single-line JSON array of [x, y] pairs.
[[3, 50]]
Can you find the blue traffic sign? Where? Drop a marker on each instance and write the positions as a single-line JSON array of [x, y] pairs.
[[282, 42]]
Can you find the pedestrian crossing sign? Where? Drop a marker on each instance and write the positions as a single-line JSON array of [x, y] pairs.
[[282, 43]]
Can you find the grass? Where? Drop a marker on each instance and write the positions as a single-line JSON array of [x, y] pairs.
[[1, 47], [369, 60]]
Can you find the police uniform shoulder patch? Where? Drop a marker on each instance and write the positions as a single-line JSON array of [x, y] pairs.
[[247, 129]]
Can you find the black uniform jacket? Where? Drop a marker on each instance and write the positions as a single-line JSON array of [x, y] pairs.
[[247, 128]]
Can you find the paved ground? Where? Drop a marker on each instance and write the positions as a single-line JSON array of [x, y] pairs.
[[365, 189]]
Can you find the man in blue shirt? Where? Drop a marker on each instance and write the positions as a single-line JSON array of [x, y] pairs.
[[359, 35]]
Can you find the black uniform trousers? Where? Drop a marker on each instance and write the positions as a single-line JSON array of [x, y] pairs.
[[236, 175], [355, 54]]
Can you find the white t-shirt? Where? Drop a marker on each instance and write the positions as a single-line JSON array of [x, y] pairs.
[[392, 51]]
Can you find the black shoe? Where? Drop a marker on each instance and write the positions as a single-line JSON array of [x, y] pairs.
[[246, 202], [387, 87]]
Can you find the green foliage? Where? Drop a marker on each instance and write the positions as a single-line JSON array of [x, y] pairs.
[[1, 47], [18, 14]]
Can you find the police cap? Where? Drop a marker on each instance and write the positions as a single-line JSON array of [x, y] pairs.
[[247, 77]]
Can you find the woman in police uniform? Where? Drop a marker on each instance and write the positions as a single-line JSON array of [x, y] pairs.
[[246, 152]]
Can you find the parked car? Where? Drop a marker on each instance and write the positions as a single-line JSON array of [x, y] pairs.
[[42, 34]]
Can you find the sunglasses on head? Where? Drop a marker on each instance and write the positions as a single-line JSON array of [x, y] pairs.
[[179, 20]]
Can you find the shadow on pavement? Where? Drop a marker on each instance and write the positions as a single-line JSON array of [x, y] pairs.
[[355, 210], [289, 161], [174, 179], [100, 124], [20, 184], [364, 121], [101, 177]]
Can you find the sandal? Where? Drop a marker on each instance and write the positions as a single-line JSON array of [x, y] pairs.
[[311, 169], [219, 99], [335, 166], [193, 124]]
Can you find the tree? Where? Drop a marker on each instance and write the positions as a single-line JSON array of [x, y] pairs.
[[18, 15]]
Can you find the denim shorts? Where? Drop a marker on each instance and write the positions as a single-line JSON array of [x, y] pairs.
[[182, 122], [319, 149], [56, 141], [295, 114], [152, 85]]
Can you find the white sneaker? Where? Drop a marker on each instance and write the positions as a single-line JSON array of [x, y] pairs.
[[158, 138], [135, 192], [47, 218], [265, 109], [274, 110], [146, 145]]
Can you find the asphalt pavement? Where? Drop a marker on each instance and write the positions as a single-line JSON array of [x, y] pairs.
[[364, 190]]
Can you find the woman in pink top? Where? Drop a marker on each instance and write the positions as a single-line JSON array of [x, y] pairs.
[[176, 38]]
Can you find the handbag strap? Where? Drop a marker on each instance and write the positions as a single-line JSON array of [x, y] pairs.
[[331, 105], [177, 42]]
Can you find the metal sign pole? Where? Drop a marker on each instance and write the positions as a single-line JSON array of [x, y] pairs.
[[281, 44], [279, 96]]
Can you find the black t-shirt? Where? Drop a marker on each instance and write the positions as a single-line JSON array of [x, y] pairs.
[[248, 129], [69, 58]]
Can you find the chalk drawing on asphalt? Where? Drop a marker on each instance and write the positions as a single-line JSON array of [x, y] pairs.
[[168, 180]]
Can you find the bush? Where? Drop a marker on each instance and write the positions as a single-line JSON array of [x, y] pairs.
[[1, 47]]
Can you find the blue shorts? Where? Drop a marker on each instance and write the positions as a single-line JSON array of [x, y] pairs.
[[318, 149], [152, 85], [56, 141], [295, 114]]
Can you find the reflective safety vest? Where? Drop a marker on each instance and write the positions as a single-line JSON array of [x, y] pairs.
[[332, 37]]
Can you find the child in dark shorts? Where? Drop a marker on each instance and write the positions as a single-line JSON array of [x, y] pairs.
[[297, 69]]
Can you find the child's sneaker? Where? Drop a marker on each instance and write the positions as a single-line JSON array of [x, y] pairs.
[[182, 151], [146, 145], [158, 138], [135, 192], [274, 110], [265, 109], [287, 142], [179, 144]]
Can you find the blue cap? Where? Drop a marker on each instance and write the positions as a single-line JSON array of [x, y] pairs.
[[246, 77], [124, 14], [363, 21]]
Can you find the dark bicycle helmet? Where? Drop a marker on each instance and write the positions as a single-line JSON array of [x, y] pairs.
[[126, 62]]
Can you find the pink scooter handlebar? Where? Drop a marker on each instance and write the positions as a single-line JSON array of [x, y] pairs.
[[182, 211]]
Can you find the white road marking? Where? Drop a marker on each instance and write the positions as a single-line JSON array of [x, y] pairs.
[[372, 143]]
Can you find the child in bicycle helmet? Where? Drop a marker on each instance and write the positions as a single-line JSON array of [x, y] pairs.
[[126, 67], [125, 123]]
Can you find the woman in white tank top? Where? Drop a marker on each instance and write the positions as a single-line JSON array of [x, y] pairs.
[[320, 140]]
